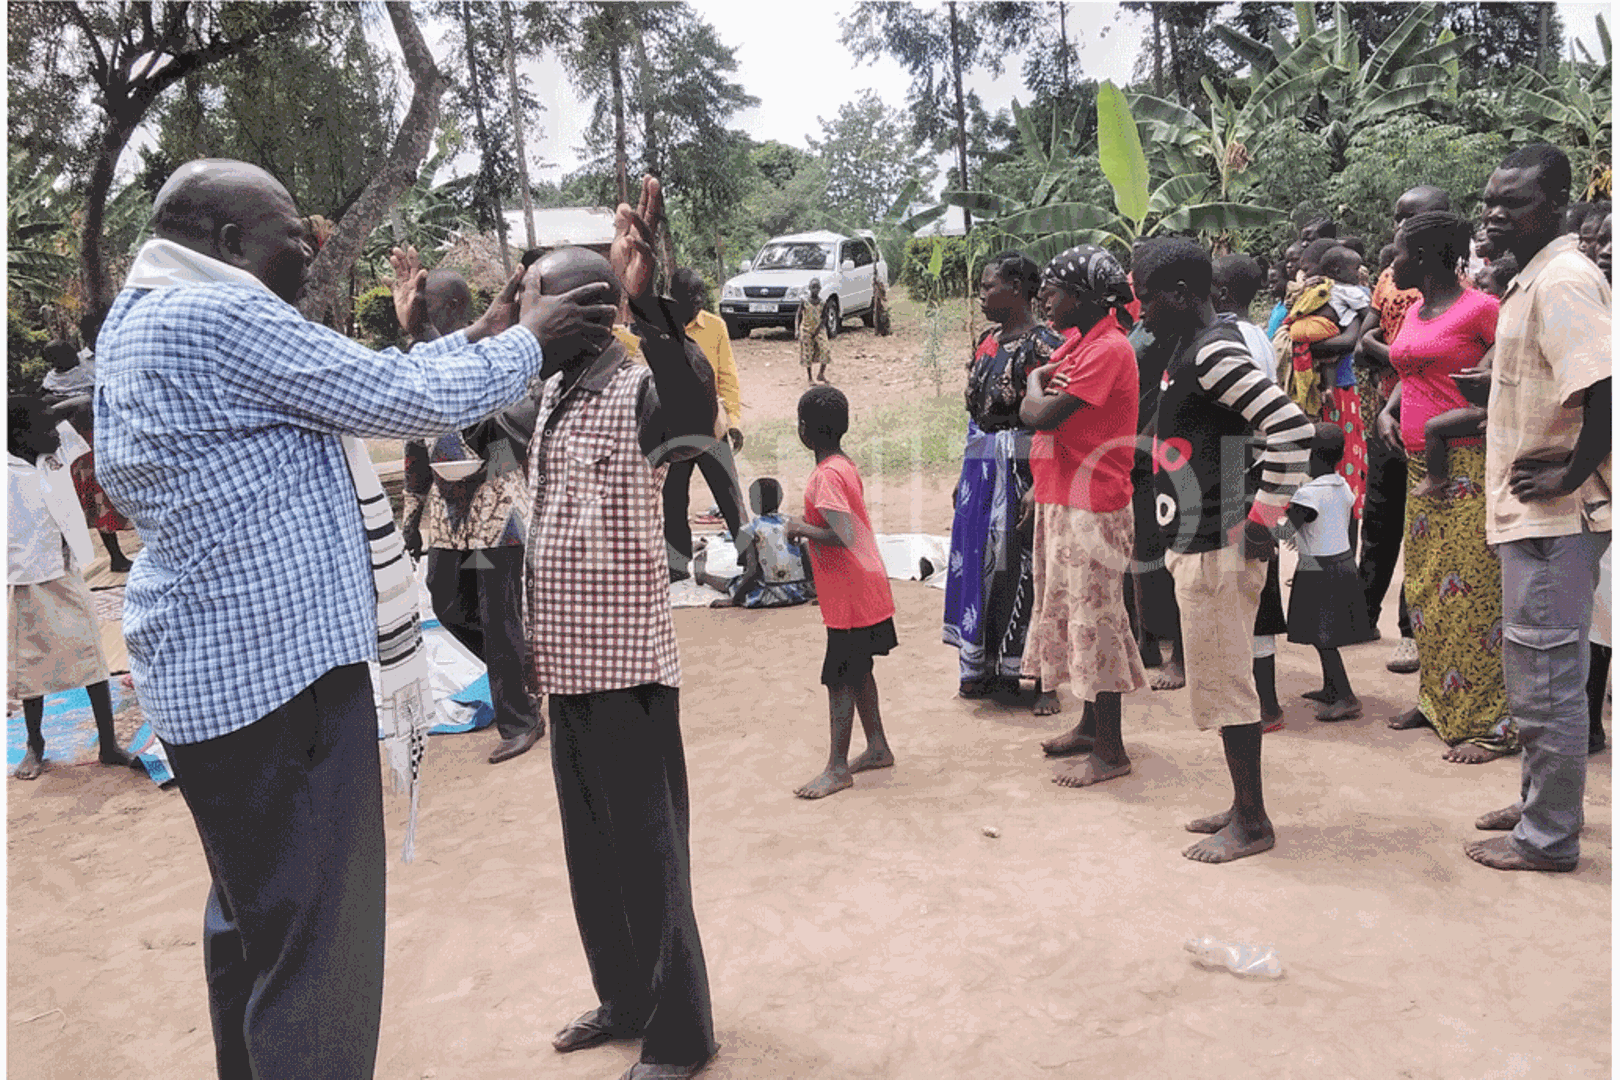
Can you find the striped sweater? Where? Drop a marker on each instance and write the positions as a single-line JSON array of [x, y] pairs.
[[1212, 398]]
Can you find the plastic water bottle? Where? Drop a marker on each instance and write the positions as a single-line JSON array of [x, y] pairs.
[[1236, 958]]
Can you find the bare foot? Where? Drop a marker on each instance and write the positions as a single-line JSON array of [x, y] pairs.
[[1235, 841], [114, 756], [1466, 753], [1047, 704], [1073, 741], [1212, 824], [1093, 770], [1406, 721], [1505, 818], [830, 781], [33, 763], [1321, 697], [1168, 677], [1501, 853], [1430, 487], [872, 759], [1344, 709]]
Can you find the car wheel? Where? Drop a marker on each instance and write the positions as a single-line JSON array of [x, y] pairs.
[[735, 331], [833, 319]]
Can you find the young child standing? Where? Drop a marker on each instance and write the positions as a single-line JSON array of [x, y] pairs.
[[1326, 607], [55, 643], [856, 603], [811, 330]]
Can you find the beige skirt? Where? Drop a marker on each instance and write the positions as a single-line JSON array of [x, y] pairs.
[[1079, 632], [55, 639]]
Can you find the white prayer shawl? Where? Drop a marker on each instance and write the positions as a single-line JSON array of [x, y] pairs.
[[406, 694]]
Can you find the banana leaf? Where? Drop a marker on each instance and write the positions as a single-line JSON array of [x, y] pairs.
[[924, 217], [1397, 50], [1058, 217], [1119, 152], [1178, 191], [1218, 217], [977, 202], [1250, 51]]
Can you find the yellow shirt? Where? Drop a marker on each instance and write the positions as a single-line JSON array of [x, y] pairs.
[[1552, 343], [631, 343], [709, 332]]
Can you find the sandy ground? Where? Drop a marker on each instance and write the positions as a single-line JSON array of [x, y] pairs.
[[879, 933]]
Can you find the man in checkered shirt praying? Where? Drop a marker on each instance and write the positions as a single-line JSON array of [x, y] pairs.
[[602, 644]]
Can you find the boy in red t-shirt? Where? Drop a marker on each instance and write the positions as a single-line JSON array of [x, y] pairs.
[[853, 586]]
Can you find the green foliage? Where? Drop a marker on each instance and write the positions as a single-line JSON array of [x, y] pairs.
[[25, 366], [374, 320], [869, 159], [937, 267], [1399, 153], [921, 435], [1119, 151]]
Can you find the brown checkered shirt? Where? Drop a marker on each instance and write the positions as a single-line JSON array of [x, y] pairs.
[[596, 590]]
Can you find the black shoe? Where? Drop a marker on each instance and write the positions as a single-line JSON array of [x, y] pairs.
[[591, 1029], [507, 749]]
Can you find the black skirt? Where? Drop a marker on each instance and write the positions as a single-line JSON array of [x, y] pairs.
[[1326, 606], [850, 652], [1269, 619]]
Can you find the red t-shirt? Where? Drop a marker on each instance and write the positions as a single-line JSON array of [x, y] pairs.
[[1427, 352], [1085, 462], [851, 582]]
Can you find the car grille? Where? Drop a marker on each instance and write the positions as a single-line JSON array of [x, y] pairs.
[[765, 292]]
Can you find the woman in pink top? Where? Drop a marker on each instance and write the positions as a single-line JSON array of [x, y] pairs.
[[1453, 583], [1083, 410]]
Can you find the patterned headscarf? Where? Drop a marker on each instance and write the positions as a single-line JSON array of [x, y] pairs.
[[1091, 274]]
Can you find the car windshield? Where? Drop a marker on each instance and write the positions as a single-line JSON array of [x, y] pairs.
[[801, 255]]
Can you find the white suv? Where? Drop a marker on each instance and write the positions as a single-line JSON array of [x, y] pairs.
[[768, 291]]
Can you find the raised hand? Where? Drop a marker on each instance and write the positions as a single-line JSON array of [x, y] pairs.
[[635, 232], [410, 291], [579, 313]]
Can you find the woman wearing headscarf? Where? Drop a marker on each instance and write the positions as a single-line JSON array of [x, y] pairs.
[[989, 589], [1083, 407]]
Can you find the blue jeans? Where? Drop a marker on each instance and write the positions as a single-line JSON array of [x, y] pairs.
[[1547, 587]]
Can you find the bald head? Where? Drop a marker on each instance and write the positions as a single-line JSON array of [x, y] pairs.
[[569, 268], [239, 214], [1423, 199], [562, 271], [449, 301]]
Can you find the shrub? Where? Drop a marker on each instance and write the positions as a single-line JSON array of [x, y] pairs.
[[25, 366], [954, 271], [374, 319]]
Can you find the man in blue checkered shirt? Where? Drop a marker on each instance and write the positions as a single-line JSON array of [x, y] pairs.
[[252, 611]]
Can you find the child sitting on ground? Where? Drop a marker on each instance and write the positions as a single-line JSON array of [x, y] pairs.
[[775, 571], [55, 640], [811, 330], [1326, 606], [856, 603]]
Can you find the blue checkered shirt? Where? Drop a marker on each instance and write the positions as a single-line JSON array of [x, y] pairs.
[[218, 412]]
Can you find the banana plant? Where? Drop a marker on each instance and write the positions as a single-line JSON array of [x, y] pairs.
[[40, 261], [1575, 110], [1187, 202]]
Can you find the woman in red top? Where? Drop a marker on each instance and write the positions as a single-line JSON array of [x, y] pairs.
[[1083, 408]]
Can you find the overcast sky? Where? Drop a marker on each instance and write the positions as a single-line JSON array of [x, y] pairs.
[[811, 74]]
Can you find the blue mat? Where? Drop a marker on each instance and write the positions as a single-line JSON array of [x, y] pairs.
[[69, 727]]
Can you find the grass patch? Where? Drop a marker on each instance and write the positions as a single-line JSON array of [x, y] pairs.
[[927, 434]]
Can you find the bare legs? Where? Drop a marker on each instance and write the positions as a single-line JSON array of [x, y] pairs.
[[1107, 759], [1338, 702], [1244, 829], [117, 561], [33, 762], [843, 703]]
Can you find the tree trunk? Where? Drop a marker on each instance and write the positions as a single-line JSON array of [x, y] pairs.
[[1543, 36], [517, 123], [620, 141], [393, 175], [114, 135], [1158, 54], [490, 184], [1063, 44], [961, 116]]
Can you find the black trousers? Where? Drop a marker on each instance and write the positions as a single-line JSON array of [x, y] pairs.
[[720, 470], [289, 810], [621, 792], [478, 597], [1383, 524]]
